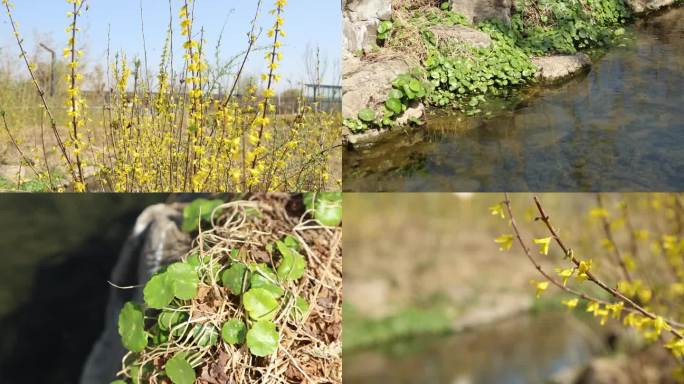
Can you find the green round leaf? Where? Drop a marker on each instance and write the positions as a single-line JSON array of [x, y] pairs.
[[260, 304], [205, 335], [233, 331], [169, 319], [183, 280], [262, 338], [196, 211], [395, 94], [118, 382], [291, 242], [292, 265], [329, 213], [264, 277], [132, 327], [234, 277], [367, 115], [384, 26], [393, 105], [179, 370], [158, 293], [415, 85]]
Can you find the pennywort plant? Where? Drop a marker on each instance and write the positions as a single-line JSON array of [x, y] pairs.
[[218, 298], [640, 272]]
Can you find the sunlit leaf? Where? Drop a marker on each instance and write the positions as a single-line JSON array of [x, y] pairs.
[[262, 338], [233, 331], [260, 304], [132, 327], [183, 280], [264, 277], [158, 293], [198, 210], [234, 277], [179, 370], [292, 265]]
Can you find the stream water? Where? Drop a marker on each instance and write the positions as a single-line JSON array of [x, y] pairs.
[[527, 349], [618, 127]]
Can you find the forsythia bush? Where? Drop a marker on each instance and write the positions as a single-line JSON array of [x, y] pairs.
[[175, 135], [636, 276]]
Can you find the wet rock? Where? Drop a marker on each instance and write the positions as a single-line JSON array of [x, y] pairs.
[[366, 84], [479, 10], [462, 34], [560, 67], [646, 6], [368, 137], [156, 240], [360, 22], [415, 111]]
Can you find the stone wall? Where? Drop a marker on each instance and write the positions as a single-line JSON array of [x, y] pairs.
[[360, 22]]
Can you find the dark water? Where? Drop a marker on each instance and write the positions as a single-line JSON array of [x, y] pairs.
[[619, 127], [57, 252], [529, 349]]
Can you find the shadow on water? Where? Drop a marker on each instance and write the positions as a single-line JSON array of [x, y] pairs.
[[619, 127], [527, 349], [58, 252]]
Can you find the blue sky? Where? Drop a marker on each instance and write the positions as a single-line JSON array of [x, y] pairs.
[[313, 22]]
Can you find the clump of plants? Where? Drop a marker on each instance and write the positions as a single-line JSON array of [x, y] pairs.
[[406, 89], [554, 26], [243, 305], [171, 131], [463, 80], [634, 277]]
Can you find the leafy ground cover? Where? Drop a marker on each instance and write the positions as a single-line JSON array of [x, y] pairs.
[[257, 299]]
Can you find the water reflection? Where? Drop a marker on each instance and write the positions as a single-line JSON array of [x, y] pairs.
[[619, 127], [528, 349]]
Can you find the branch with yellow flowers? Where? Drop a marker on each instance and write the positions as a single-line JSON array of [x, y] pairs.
[[638, 316]]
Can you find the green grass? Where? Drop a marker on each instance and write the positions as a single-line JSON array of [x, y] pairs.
[[361, 332]]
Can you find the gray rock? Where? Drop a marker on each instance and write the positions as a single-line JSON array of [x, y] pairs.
[[365, 10], [559, 67], [360, 22], [156, 240], [357, 140], [646, 6], [415, 111], [462, 34], [480, 10], [366, 84], [359, 35]]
